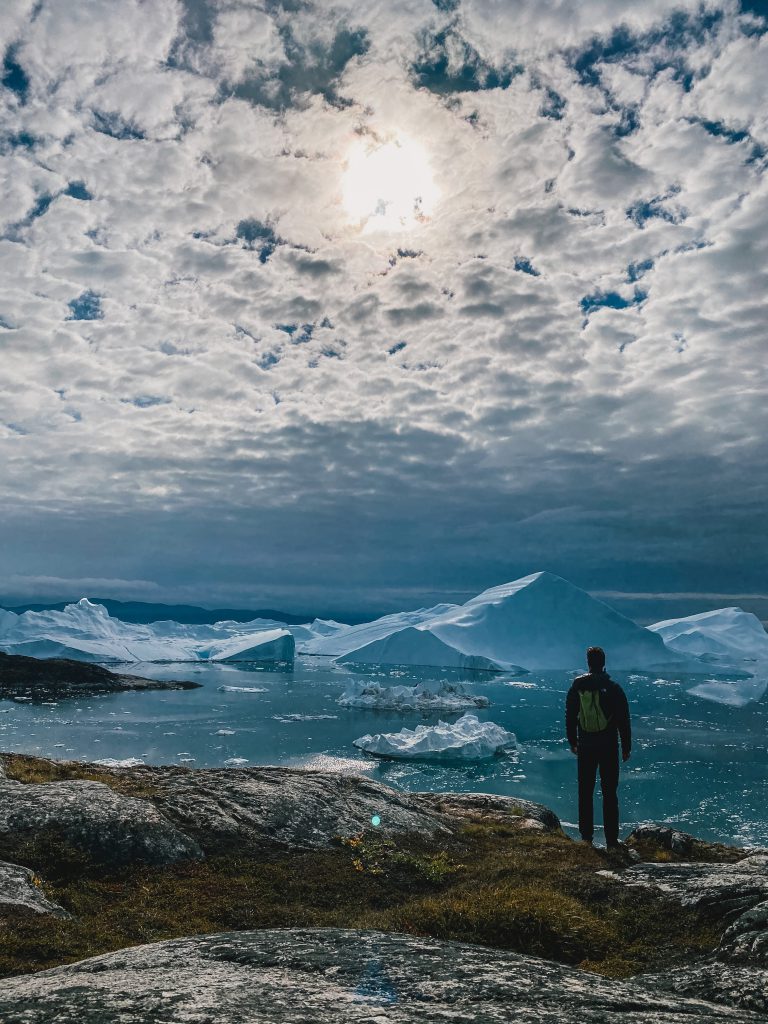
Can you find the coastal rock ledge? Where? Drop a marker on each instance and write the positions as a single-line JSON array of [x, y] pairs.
[[336, 976]]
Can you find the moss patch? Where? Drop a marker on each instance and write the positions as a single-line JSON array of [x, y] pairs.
[[531, 893], [25, 768]]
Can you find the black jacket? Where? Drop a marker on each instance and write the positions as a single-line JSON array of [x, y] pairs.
[[613, 701]]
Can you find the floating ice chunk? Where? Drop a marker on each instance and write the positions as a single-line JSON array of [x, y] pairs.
[[114, 762], [234, 762], [437, 695], [298, 717], [224, 732], [734, 692], [468, 739], [242, 689]]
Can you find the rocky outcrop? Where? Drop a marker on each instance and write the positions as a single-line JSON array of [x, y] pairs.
[[737, 972], [493, 809], [20, 888], [654, 841], [722, 890], [336, 976], [59, 678], [227, 809], [88, 819]]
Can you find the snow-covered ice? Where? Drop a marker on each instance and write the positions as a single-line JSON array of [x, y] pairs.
[[468, 739], [539, 622], [116, 762], [414, 645], [433, 695], [723, 636], [87, 632], [242, 689]]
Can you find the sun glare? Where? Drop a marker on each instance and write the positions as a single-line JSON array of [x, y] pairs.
[[389, 186]]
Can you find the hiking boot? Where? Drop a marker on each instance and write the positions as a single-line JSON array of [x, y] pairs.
[[586, 842]]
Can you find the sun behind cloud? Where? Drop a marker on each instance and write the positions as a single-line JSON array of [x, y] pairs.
[[388, 186]]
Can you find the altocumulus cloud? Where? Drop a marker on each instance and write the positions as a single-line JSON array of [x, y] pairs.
[[214, 384]]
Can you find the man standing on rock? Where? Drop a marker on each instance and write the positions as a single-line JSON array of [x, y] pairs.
[[596, 717]]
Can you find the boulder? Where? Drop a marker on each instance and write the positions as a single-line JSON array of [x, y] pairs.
[[20, 888], [228, 808], [87, 820], [336, 976], [661, 842], [493, 809]]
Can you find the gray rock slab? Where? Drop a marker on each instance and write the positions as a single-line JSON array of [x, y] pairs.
[[721, 889], [90, 817], [227, 807], [736, 974], [335, 976], [21, 888]]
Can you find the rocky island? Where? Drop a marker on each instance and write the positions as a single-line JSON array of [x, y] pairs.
[[24, 678], [152, 894]]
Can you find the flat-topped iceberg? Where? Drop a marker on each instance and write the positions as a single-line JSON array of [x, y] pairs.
[[432, 695], [468, 739]]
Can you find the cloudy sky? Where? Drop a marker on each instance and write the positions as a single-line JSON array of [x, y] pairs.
[[362, 305]]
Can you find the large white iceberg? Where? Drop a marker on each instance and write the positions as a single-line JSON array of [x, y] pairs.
[[540, 622], [87, 632], [431, 695], [726, 635], [416, 646], [468, 739]]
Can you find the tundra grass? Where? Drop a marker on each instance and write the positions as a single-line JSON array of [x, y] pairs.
[[528, 892]]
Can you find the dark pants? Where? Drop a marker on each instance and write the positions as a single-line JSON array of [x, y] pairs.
[[598, 752]]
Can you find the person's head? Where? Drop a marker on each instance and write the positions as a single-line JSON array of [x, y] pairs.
[[596, 659]]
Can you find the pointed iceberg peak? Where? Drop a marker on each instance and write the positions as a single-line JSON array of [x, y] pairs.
[[539, 580]]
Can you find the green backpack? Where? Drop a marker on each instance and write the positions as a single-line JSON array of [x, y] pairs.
[[592, 718]]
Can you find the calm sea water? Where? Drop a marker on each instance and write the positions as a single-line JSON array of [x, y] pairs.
[[700, 766]]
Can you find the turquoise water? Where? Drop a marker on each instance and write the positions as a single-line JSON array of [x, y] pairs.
[[700, 766]]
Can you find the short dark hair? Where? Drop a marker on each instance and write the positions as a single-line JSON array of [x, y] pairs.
[[596, 659]]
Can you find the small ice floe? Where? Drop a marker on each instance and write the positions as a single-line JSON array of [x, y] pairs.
[[114, 762], [733, 692], [187, 760], [224, 732], [242, 689], [468, 739], [432, 695], [296, 717], [518, 684], [235, 762]]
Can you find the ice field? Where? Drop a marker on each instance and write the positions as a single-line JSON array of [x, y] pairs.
[[697, 762]]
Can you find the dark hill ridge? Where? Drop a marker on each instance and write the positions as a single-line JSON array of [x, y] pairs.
[[269, 896], [145, 612], [43, 679]]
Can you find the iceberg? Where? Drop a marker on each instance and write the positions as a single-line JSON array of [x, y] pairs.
[[540, 621], [544, 622], [87, 632], [468, 739], [416, 646], [727, 636], [429, 696], [351, 638]]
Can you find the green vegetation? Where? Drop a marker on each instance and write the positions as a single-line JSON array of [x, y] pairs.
[[26, 768], [527, 892]]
